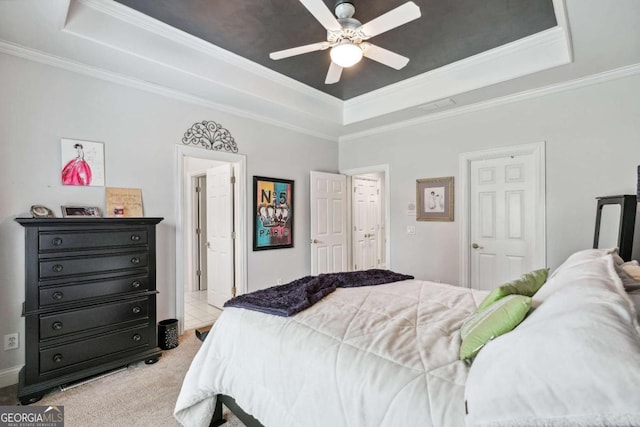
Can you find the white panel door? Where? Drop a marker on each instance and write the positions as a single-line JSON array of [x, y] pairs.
[[220, 279], [328, 202], [366, 223], [503, 223]]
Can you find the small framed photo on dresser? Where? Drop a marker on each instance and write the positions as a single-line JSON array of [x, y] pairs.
[[81, 211]]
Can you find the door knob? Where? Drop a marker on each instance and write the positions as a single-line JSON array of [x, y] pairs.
[[315, 241], [476, 246]]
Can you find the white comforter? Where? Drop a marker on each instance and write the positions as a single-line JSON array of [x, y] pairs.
[[371, 356]]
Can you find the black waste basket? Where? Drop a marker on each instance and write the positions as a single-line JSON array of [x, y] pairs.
[[168, 334]]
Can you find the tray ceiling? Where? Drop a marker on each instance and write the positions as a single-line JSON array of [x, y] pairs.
[[464, 55], [448, 31]]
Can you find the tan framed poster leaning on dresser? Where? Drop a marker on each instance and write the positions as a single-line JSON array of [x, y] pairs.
[[123, 202]]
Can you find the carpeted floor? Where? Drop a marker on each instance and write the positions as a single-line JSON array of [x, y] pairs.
[[142, 395]]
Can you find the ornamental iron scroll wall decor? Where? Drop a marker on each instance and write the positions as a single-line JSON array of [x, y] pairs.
[[211, 136]]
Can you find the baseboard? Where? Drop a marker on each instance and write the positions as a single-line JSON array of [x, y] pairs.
[[9, 376]]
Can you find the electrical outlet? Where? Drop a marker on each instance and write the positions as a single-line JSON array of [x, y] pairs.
[[279, 281], [11, 341]]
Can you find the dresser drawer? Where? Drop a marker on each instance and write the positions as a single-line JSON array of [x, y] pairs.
[[59, 267], [80, 291], [53, 325], [69, 240], [92, 348]]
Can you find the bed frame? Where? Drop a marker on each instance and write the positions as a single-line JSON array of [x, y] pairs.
[[230, 403]]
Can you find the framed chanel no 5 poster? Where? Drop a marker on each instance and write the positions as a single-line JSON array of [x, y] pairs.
[[272, 213]]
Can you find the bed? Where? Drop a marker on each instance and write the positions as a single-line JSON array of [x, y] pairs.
[[390, 355]]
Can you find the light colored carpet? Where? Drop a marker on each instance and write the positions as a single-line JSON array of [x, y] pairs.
[[142, 395]]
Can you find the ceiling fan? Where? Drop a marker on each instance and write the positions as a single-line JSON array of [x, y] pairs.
[[346, 36]]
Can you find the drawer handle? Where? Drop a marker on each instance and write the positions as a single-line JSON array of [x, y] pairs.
[[56, 241], [57, 326], [136, 337], [135, 237], [136, 284], [57, 268], [135, 260], [136, 310], [57, 295], [57, 358]]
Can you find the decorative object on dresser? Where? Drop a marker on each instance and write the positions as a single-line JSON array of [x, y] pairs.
[[81, 211], [616, 225], [123, 202], [90, 299], [39, 211]]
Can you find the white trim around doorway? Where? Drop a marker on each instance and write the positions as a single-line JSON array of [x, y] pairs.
[[181, 219]]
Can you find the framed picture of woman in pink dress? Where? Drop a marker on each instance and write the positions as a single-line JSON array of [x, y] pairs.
[[82, 163]]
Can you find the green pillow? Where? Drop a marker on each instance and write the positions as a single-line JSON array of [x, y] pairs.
[[528, 284], [498, 319]]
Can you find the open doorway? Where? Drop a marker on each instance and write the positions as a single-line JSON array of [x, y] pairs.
[[349, 220], [368, 221], [210, 233]]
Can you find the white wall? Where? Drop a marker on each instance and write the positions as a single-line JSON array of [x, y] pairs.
[[41, 104], [592, 139]]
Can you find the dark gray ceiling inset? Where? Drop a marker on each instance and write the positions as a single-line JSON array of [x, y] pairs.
[[448, 31]]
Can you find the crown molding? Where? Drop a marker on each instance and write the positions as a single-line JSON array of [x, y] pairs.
[[145, 22], [594, 79], [110, 76], [76, 67], [541, 51]]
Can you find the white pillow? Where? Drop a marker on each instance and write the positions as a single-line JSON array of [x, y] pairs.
[[575, 360], [587, 255]]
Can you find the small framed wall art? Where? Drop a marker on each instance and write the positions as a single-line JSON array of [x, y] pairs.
[[272, 213], [434, 199], [82, 163]]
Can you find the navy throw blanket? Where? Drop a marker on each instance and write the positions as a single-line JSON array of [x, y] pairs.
[[293, 297]]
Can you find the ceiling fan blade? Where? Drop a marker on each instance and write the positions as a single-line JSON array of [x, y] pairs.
[[322, 13], [392, 19], [384, 56], [334, 73], [299, 50]]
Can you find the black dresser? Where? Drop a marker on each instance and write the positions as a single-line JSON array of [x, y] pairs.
[[90, 299]]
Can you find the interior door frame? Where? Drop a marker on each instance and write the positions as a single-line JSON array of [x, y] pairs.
[[183, 210], [537, 149], [384, 168]]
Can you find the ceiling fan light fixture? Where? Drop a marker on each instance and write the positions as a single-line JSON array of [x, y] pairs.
[[346, 54]]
